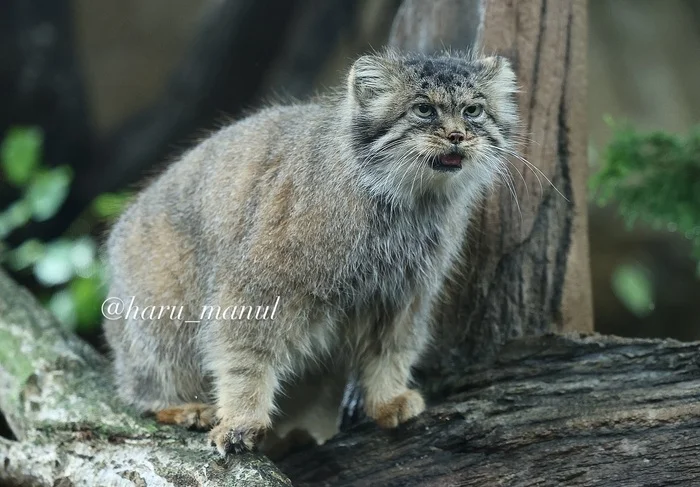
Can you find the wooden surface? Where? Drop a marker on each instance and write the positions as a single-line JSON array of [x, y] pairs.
[[527, 265], [553, 411], [58, 399]]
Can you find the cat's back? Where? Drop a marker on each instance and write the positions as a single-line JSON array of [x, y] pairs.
[[216, 185], [278, 195], [220, 179]]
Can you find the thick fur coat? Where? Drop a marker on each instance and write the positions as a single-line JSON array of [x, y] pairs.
[[352, 209]]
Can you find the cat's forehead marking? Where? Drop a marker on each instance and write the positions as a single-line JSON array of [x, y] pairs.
[[448, 74]]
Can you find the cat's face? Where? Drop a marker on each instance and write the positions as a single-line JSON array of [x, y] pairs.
[[425, 124]]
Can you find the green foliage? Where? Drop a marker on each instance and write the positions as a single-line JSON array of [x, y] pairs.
[[633, 286], [47, 191], [68, 267], [655, 178], [110, 205], [43, 190], [20, 153]]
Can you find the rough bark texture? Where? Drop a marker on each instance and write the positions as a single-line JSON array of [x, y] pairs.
[[56, 396], [527, 259], [552, 411]]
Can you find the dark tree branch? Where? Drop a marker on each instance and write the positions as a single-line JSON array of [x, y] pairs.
[[312, 36], [41, 85], [221, 74], [552, 411]]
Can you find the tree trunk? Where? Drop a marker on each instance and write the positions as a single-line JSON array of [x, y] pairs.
[[526, 268]]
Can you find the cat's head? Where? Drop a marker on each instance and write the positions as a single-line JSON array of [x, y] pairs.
[[430, 123]]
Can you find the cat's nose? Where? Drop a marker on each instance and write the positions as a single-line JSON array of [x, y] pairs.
[[456, 137]]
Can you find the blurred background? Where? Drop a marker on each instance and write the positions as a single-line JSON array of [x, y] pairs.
[[98, 96]]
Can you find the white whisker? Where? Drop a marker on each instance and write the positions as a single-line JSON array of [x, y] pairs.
[[532, 167]]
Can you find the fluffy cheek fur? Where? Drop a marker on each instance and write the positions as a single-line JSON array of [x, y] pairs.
[[396, 165], [396, 148], [399, 165]]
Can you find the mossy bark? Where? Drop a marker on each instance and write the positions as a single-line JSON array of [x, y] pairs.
[[551, 410], [57, 398]]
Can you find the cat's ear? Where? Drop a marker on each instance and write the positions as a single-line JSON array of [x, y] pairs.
[[499, 71], [500, 86], [369, 77]]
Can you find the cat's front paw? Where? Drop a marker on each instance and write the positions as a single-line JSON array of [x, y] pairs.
[[232, 436], [397, 410]]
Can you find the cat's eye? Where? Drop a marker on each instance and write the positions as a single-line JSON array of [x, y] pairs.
[[424, 110], [473, 111]]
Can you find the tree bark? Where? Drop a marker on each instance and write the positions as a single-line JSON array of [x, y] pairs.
[[57, 397], [551, 411], [526, 269]]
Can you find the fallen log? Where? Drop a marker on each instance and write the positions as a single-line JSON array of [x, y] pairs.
[[551, 411], [57, 397]]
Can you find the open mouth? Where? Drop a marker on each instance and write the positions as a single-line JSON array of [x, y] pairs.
[[447, 163]]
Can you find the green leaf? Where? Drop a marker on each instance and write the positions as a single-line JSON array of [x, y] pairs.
[[20, 154], [83, 255], [55, 266], [26, 255], [632, 285], [653, 178], [48, 191], [17, 215], [61, 304], [87, 296], [110, 205]]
